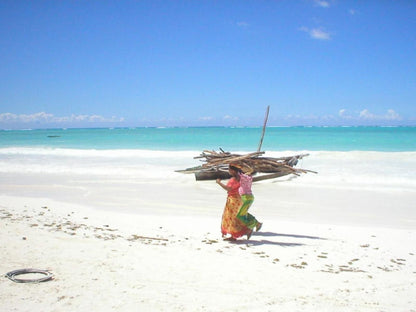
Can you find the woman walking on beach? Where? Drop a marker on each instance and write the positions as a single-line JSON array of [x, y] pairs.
[[247, 197], [230, 224]]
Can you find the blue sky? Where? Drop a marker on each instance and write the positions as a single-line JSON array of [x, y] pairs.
[[206, 63]]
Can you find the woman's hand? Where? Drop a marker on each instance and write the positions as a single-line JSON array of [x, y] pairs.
[[222, 185]]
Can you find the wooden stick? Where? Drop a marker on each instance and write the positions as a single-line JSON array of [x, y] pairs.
[[234, 158], [268, 176], [264, 128]]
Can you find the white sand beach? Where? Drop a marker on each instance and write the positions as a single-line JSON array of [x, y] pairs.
[[121, 231]]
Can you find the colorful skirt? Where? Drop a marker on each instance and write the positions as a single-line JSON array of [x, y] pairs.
[[248, 219], [230, 223]]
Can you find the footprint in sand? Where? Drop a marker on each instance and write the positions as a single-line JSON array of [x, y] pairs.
[[299, 266]]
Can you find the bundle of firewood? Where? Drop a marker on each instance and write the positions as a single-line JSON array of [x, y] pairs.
[[216, 165]]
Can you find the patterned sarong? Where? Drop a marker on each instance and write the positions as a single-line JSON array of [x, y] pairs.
[[230, 223]]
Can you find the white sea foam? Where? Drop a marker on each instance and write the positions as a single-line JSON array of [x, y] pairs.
[[357, 169], [120, 163], [114, 153]]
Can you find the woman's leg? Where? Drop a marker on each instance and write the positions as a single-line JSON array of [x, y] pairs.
[[248, 219]]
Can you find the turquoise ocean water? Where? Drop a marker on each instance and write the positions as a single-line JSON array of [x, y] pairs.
[[385, 139]]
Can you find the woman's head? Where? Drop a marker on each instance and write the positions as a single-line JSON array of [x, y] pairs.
[[234, 169]]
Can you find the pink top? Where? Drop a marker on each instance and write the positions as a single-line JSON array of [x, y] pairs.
[[245, 184], [233, 184]]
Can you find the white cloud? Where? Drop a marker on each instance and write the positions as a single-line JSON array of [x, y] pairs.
[[392, 115], [352, 12], [346, 117], [228, 117], [304, 117], [7, 117], [320, 34], [97, 118], [317, 33], [205, 118], [322, 3], [43, 117], [365, 114], [389, 115], [343, 113]]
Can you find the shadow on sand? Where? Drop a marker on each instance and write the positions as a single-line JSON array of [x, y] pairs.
[[268, 234], [264, 242], [254, 241]]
